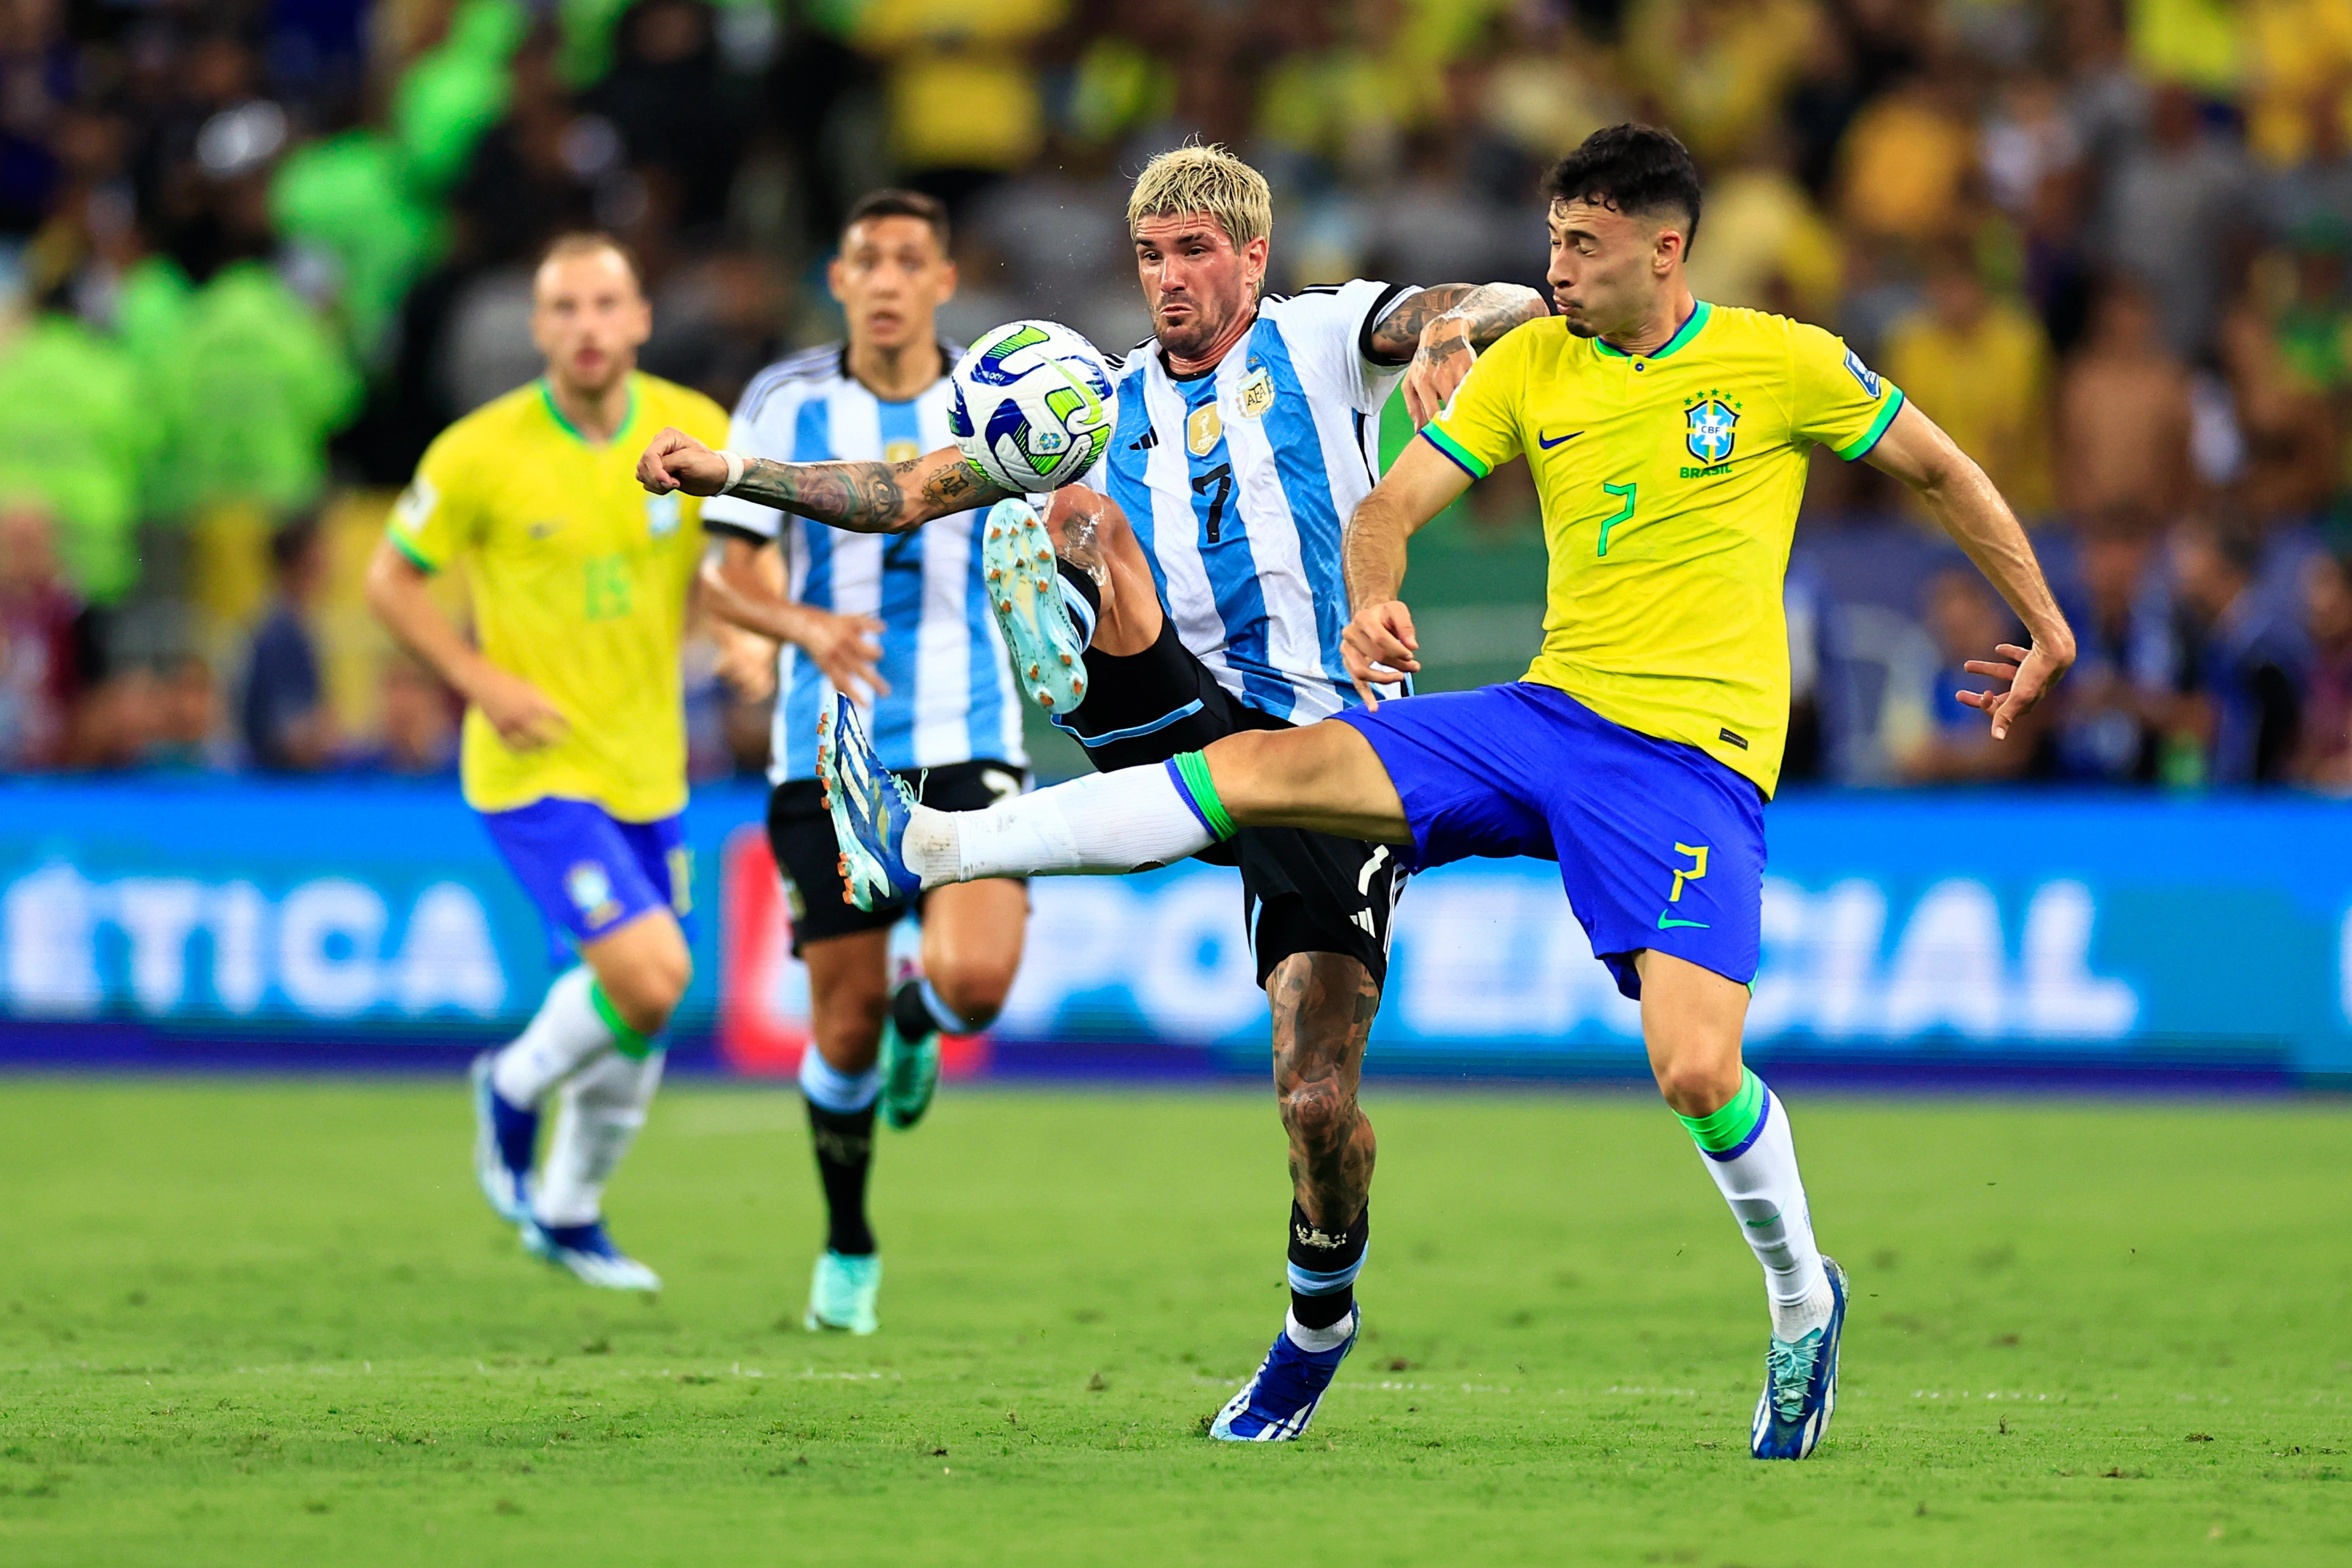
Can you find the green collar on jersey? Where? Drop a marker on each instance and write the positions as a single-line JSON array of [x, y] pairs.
[[1690, 329], [547, 396]]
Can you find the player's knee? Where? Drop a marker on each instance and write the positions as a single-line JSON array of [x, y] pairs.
[[645, 991], [974, 992], [1697, 1084], [1320, 1116]]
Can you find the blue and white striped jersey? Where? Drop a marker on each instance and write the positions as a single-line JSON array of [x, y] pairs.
[[1238, 483], [951, 698]]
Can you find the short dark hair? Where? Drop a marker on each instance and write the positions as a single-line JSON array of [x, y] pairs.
[[1634, 169], [897, 204], [588, 242]]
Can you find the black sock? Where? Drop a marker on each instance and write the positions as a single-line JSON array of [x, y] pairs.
[[914, 1020], [844, 1148], [1316, 1250]]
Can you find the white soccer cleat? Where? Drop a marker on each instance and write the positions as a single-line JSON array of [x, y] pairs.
[[589, 1254]]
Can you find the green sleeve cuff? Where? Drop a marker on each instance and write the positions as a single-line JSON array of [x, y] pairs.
[[1862, 443], [1453, 449], [415, 556]]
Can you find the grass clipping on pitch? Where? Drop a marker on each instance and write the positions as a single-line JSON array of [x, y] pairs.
[[274, 1323]]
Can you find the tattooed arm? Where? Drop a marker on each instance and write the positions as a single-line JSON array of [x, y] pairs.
[[1440, 330], [863, 497]]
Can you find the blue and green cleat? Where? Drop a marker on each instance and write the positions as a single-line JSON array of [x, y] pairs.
[[870, 806], [843, 1292], [1025, 589], [1276, 1406], [1800, 1383]]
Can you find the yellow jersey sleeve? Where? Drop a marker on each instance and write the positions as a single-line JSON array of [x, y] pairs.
[[1479, 427], [438, 515], [1839, 401]]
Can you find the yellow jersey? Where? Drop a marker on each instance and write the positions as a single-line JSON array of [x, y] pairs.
[[578, 583], [1670, 483]]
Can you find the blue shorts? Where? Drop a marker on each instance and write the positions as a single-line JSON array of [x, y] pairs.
[[1659, 844], [590, 872]]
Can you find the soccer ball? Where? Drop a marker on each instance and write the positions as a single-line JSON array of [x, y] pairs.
[[1032, 406]]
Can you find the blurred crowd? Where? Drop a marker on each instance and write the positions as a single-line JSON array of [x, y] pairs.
[[254, 253]]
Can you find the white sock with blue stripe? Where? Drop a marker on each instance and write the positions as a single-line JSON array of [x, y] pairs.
[[1109, 823], [1747, 1147]]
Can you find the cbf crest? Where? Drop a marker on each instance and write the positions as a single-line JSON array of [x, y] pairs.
[[1711, 427]]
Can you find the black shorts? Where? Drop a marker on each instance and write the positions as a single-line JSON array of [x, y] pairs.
[[1301, 892], [808, 855]]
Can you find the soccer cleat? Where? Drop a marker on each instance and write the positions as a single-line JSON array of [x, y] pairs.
[[870, 808], [1276, 1406], [1025, 589], [842, 1293], [505, 1137], [589, 1254], [910, 1075], [1800, 1383]]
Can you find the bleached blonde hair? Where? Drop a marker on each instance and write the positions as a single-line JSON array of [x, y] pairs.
[[1197, 179]]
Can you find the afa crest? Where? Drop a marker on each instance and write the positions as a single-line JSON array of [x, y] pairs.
[[1711, 427]]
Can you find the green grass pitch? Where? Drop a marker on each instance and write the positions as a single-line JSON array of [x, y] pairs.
[[261, 1323]]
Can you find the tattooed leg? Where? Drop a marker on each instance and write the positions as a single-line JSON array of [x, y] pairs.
[[1092, 534], [1323, 1007]]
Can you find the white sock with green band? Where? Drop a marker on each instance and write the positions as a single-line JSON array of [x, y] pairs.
[[1748, 1150], [1109, 823], [568, 1029]]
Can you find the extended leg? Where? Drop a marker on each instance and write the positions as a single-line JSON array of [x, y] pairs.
[[1691, 1019], [848, 995], [1323, 1005]]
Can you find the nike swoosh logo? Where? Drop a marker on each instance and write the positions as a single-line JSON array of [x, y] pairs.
[[1556, 440], [1667, 923]]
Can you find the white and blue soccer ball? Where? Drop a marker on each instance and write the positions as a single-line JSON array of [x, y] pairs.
[[1033, 406]]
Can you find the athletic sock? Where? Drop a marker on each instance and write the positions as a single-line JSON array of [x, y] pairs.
[[600, 1109], [1108, 822], [1323, 1266], [1748, 1150], [841, 1130], [919, 1012], [568, 1030]]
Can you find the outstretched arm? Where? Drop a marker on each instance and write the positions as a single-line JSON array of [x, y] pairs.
[[1441, 330], [1964, 501], [1422, 483], [847, 648], [863, 497]]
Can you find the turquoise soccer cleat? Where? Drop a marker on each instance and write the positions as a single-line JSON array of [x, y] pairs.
[[910, 1075], [870, 808], [1276, 1406], [1016, 556], [1800, 1383], [589, 1254], [842, 1293]]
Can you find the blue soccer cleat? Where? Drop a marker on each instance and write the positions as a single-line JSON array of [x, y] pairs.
[[505, 1140], [589, 1254], [1276, 1406], [1025, 589], [843, 1292], [870, 806], [1800, 1383]]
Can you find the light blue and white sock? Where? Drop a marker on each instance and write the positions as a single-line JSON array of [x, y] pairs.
[[1745, 1145], [829, 1089], [1109, 823]]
